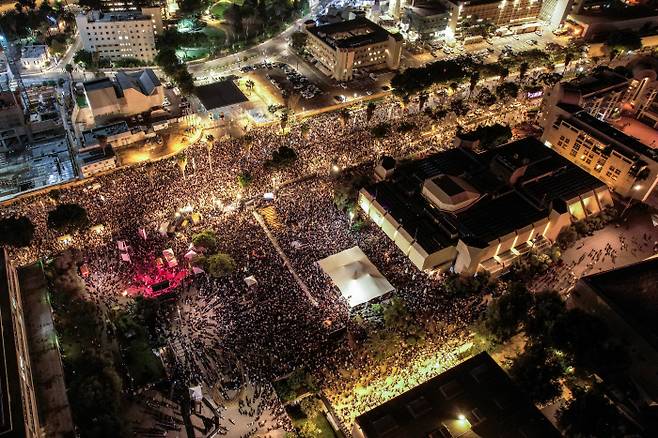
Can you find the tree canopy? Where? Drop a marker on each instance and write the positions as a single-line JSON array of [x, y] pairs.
[[537, 370], [68, 217], [16, 231], [590, 414]]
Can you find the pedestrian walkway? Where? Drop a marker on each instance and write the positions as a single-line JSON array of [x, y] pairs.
[[285, 259]]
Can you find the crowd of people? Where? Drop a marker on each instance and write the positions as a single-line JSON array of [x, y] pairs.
[[270, 328]]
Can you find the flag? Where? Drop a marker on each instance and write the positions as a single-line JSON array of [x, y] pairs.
[[122, 245], [142, 233], [125, 257]]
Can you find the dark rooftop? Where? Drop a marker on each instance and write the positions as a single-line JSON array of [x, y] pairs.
[[597, 82], [543, 180], [94, 155], [478, 389], [632, 291], [220, 94], [11, 407], [98, 84], [428, 9], [352, 33]]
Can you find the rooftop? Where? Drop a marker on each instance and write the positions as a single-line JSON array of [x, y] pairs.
[[34, 51], [220, 94], [632, 292], [518, 183], [610, 133], [99, 16], [92, 135], [428, 9], [95, 155], [352, 33], [477, 389], [596, 83]]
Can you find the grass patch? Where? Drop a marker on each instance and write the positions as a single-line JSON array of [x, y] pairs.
[[217, 10]]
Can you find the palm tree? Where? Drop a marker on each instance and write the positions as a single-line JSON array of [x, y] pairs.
[[475, 77], [181, 160], [370, 110], [523, 70], [567, 60], [423, 96], [304, 128], [250, 85], [210, 141], [283, 120], [344, 115]]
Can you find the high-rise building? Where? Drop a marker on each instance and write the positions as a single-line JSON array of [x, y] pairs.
[[117, 35], [498, 12]]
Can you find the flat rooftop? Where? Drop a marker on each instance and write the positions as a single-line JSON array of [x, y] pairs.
[[220, 94], [633, 293], [117, 128], [620, 139], [95, 155], [547, 182], [428, 9], [104, 17], [33, 51], [478, 389], [352, 33], [597, 83]]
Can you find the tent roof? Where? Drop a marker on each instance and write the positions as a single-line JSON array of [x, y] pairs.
[[357, 278]]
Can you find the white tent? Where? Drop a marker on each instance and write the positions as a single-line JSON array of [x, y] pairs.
[[251, 281], [190, 254], [357, 278]]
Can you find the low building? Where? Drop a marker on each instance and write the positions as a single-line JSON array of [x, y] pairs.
[[128, 94], [464, 211], [626, 165], [428, 20], [35, 57], [627, 298], [96, 160], [18, 404], [123, 34], [116, 134], [341, 48], [221, 98], [473, 399], [597, 25], [497, 12]]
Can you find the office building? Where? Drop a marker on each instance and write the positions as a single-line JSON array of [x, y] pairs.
[[473, 399], [623, 163], [128, 94], [428, 20], [341, 48], [498, 12], [20, 417], [125, 34], [466, 211]]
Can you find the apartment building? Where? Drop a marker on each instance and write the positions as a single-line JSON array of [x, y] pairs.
[[13, 129], [34, 57], [466, 212], [340, 48], [626, 165], [122, 34], [19, 416], [498, 12], [429, 20]]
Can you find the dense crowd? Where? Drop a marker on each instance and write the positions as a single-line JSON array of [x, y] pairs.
[[270, 328]]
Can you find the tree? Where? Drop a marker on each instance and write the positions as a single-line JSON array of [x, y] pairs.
[[68, 217], [423, 96], [282, 157], [473, 81], [250, 85], [181, 160], [507, 90], [623, 40], [206, 239], [298, 40], [537, 370], [370, 110], [304, 129], [546, 309], [84, 58], [219, 265], [523, 70], [505, 314], [589, 414], [245, 178], [344, 116], [16, 231]]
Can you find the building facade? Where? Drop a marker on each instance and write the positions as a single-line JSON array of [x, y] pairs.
[[125, 34], [466, 211], [626, 165], [20, 416], [427, 20], [341, 48], [129, 94], [13, 130], [498, 12]]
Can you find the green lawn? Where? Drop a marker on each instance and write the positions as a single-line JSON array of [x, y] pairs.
[[217, 10], [321, 423], [192, 53]]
